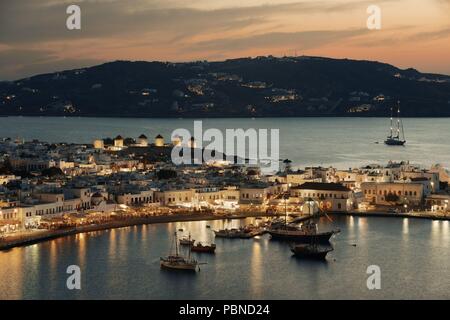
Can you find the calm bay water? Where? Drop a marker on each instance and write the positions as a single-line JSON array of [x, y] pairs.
[[342, 142], [124, 264]]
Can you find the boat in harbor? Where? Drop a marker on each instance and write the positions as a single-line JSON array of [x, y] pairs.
[[228, 233], [306, 233], [187, 241], [175, 261], [397, 135], [310, 251], [199, 247], [246, 232]]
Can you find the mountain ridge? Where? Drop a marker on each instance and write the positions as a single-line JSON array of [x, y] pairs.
[[244, 87]]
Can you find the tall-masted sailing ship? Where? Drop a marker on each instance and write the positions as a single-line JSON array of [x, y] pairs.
[[397, 135], [307, 232]]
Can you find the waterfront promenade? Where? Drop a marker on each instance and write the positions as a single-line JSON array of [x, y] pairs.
[[36, 236], [32, 237]]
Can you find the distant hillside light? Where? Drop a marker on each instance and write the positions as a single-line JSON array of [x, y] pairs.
[[374, 19], [73, 21]]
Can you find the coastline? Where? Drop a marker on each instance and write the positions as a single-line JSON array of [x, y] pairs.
[[412, 215], [45, 235]]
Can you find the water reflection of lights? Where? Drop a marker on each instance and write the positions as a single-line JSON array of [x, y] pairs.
[[112, 243], [351, 222], [405, 227], [440, 226], [256, 269], [81, 248], [445, 229], [53, 255]]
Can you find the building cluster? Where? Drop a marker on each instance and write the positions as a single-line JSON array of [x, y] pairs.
[[44, 184]]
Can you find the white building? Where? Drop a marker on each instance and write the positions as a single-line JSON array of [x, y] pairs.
[[329, 196]]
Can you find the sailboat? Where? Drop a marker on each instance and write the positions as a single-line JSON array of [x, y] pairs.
[[394, 138], [175, 261], [306, 233]]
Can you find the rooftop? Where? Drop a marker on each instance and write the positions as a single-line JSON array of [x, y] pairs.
[[322, 186]]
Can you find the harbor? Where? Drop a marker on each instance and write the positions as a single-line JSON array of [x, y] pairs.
[[218, 230], [124, 263]]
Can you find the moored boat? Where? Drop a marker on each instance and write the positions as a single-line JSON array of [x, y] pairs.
[[307, 233], [228, 233], [300, 235], [178, 263], [199, 247], [310, 251], [187, 241], [394, 138], [175, 261]]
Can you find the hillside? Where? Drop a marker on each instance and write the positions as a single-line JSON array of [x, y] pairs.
[[258, 87]]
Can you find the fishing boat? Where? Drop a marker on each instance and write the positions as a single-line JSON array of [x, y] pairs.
[[187, 241], [250, 231], [175, 261], [228, 233], [199, 247], [397, 135], [310, 251]]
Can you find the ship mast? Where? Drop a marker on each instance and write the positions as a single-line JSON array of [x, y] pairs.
[[398, 119], [390, 136], [285, 210], [176, 244], [401, 123], [190, 246]]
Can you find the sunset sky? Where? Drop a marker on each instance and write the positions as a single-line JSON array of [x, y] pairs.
[[34, 38]]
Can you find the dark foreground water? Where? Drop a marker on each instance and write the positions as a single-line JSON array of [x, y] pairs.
[[124, 264]]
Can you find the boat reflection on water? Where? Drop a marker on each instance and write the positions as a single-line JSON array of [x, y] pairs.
[[311, 251]]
